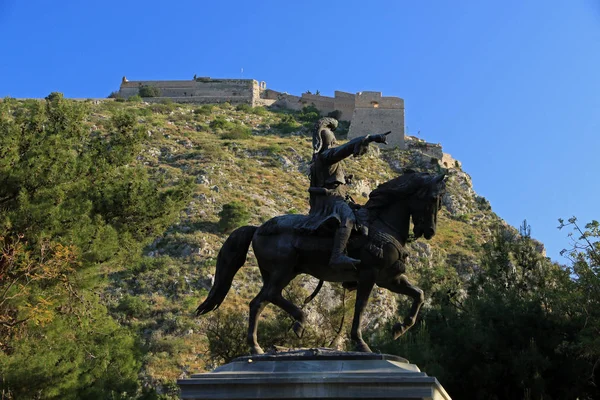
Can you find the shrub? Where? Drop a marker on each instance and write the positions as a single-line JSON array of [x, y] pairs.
[[310, 109], [220, 123], [337, 114], [149, 91], [259, 111], [204, 110], [135, 99], [237, 132], [233, 215], [133, 306], [288, 124], [243, 107]]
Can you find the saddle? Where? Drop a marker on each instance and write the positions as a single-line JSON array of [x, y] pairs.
[[325, 226]]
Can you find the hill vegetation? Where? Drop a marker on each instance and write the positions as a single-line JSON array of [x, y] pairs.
[[112, 214]]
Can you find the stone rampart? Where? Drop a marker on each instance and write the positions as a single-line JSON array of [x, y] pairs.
[[376, 120], [200, 90], [368, 112]]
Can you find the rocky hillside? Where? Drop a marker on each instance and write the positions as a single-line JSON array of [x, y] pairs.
[[261, 159], [123, 201]]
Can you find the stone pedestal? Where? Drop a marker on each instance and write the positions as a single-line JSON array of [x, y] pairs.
[[314, 374]]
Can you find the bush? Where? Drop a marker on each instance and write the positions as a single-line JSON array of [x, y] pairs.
[[133, 306], [337, 114], [233, 215], [237, 132], [310, 109], [288, 124], [259, 111], [149, 91], [243, 107], [220, 123], [135, 99], [204, 110]]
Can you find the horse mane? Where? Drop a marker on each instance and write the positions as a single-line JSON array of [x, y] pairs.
[[401, 186]]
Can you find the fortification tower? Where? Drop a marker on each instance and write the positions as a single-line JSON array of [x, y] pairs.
[[374, 113]]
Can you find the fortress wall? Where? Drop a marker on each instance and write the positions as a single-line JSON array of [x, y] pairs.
[[448, 162], [323, 103], [270, 94], [372, 99], [219, 89], [289, 101], [264, 102], [344, 95], [345, 105], [201, 100], [376, 120]]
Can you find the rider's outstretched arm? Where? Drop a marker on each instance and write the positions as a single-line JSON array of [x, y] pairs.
[[357, 146]]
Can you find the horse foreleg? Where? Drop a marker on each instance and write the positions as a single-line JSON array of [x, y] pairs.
[[365, 286], [401, 285], [256, 306]]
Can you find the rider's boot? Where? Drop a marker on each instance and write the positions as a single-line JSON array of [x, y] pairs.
[[338, 260]]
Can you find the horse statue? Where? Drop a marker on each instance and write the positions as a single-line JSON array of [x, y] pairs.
[[284, 250]]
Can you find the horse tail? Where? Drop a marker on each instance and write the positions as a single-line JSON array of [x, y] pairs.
[[229, 261], [314, 293]]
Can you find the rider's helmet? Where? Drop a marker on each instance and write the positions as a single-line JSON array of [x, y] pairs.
[[323, 137]]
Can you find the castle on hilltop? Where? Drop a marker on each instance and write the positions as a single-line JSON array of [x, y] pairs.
[[368, 112]]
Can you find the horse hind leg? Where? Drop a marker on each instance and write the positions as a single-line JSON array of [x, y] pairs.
[[256, 306]]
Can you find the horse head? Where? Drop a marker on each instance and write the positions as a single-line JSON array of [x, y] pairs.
[[424, 205], [413, 194]]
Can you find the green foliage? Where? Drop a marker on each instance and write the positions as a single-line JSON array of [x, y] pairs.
[[206, 109], [135, 99], [482, 203], [337, 114], [288, 124], [513, 332], [114, 95], [72, 203], [233, 215], [81, 354], [309, 115], [220, 123], [230, 130], [244, 107], [149, 91], [259, 111], [237, 132]]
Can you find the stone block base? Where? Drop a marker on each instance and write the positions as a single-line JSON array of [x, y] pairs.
[[314, 374]]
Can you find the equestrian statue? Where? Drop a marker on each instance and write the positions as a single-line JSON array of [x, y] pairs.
[[338, 241]]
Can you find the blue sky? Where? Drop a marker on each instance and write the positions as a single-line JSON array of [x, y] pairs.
[[510, 88]]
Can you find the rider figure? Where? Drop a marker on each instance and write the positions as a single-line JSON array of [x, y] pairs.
[[327, 181]]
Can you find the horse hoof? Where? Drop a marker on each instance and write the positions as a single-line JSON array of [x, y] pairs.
[[363, 348], [298, 329], [398, 330], [256, 350]]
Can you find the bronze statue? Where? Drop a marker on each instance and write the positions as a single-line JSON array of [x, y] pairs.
[[327, 182], [285, 249]]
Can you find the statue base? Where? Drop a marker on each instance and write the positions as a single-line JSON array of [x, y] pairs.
[[314, 374]]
